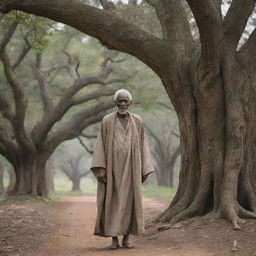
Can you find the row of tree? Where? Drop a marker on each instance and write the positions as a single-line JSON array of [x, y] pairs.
[[47, 98]]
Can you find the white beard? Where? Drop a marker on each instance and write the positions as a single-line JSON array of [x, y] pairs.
[[122, 112]]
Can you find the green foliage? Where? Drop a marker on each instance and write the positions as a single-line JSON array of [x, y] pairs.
[[39, 27]]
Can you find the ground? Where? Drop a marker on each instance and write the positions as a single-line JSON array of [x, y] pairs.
[[38, 227]]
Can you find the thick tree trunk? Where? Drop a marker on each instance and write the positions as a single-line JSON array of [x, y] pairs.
[[40, 179], [29, 175], [217, 150], [166, 177], [76, 184]]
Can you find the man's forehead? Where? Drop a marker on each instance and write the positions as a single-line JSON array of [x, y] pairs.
[[123, 95]]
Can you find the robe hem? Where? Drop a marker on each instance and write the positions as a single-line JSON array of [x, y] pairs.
[[119, 234]]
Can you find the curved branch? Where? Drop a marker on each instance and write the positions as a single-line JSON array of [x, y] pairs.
[[175, 25], [78, 123], [88, 136], [112, 31], [6, 141], [5, 109], [209, 22], [19, 99], [41, 130], [26, 48], [236, 20], [90, 151], [91, 96], [42, 82], [7, 36]]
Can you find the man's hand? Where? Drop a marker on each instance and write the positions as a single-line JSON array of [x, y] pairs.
[[102, 177]]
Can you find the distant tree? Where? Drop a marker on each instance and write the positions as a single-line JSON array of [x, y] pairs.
[[71, 167], [50, 172], [164, 153]]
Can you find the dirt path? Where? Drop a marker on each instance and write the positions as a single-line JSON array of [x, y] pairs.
[[35, 228], [75, 218]]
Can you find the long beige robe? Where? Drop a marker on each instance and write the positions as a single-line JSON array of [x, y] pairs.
[[124, 153]]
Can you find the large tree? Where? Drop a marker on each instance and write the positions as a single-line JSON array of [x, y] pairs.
[[28, 146], [210, 82], [71, 167]]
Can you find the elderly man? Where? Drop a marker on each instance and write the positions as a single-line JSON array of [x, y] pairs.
[[121, 162]]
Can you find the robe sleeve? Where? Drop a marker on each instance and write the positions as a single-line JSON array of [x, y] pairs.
[[147, 164], [98, 164]]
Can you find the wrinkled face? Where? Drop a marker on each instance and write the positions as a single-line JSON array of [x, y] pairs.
[[123, 102]]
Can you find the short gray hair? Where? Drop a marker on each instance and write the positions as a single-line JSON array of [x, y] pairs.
[[122, 91]]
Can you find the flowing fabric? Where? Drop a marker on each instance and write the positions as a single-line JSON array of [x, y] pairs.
[[124, 153]]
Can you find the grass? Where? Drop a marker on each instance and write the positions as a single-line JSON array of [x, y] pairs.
[[158, 191], [89, 187], [63, 187]]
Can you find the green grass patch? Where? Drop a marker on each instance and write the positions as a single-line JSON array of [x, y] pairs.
[[158, 191]]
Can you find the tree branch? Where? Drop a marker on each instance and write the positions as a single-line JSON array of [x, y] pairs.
[[176, 134], [19, 99], [78, 123], [209, 22], [26, 48], [5, 109], [107, 5], [42, 82], [67, 172], [90, 151], [92, 96], [236, 20], [88, 136], [175, 26], [6, 141], [41, 130], [7, 36], [112, 31]]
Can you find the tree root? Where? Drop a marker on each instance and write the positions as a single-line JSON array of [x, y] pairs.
[[169, 213], [234, 214]]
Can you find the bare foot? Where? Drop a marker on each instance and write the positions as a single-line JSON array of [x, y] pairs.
[[115, 244], [126, 243]]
